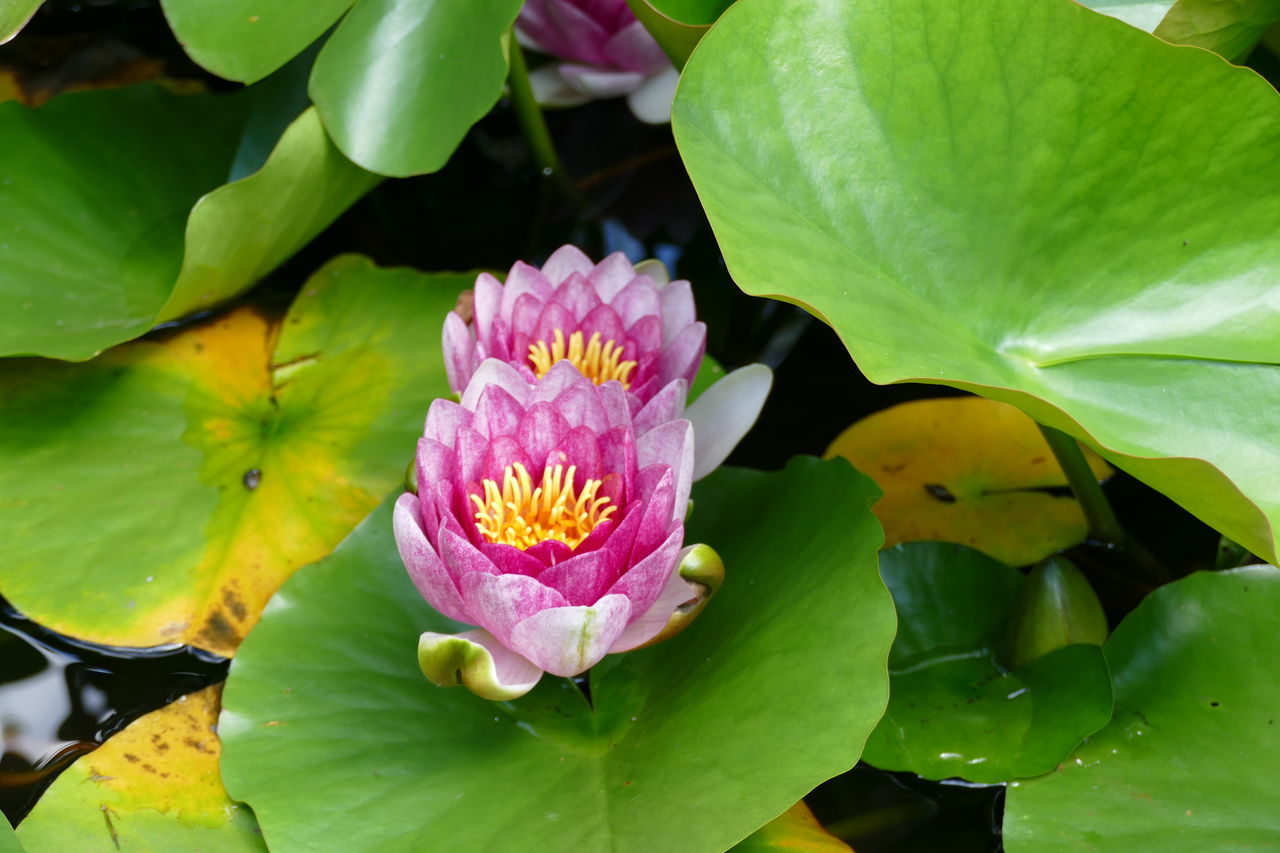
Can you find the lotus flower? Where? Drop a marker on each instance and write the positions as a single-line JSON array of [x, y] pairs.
[[614, 322], [606, 53], [551, 517]]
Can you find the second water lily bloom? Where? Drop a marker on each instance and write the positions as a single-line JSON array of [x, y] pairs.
[[614, 322], [543, 518], [605, 53]]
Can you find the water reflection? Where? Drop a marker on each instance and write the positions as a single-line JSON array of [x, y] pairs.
[[60, 698]]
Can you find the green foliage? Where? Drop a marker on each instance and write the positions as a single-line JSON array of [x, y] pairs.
[[774, 674], [1024, 218], [1228, 27], [112, 218], [678, 25], [1144, 14], [8, 841], [1189, 762], [955, 707], [14, 15]]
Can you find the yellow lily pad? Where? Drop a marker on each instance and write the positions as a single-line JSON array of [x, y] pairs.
[[967, 470], [154, 786], [162, 492], [795, 829]]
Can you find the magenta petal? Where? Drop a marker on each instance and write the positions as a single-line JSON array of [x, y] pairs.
[[550, 552], [677, 591], [563, 30], [497, 413], [682, 357], [614, 405], [633, 49], [582, 449], [581, 406], [677, 309], [511, 560], [554, 318], [495, 372], [540, 430], [643, 582], [672, 445], [567, 641], [611, 275], [462, 558], [561, 377], [656, 520], [437, 463], [564, 262], [472, 451], [619, 450], [500, 602], [604, 320], [523, 280], [486, 304], [504, 452], [666, 405], [459, 351], [578, 296], [582, 578], [637, 300], [524, 321], [423, 564]]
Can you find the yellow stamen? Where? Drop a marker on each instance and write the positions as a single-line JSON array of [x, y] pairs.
[[598, 362], [519, 514]]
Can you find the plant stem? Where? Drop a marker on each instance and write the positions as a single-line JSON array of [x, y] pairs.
[[534, 124], [1104, 527], [1103, 524]]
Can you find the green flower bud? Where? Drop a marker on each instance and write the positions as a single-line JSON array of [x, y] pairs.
[[1057, 608]]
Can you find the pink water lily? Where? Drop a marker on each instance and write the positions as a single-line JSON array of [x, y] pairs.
[[543, 518], [605, 53], [617, 323]]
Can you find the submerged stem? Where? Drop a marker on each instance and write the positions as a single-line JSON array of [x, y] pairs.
[[534, 124]]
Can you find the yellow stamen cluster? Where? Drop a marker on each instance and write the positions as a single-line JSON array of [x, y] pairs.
[[519, 514], [598, 362]]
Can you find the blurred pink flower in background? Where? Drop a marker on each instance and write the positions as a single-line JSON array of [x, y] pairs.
[[603, 52]]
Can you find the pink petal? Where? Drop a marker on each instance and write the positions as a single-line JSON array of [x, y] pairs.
[[562, 376], [486, 305], [656, 519], [461, 558], [555, 317], [505, 451], [638, 299], [600, 81], [604, 319], [524, 321], [672, 445], [564, 262], [495, 372], [646, 334], [500, 602], [540, 430], [444, 419], [582, 578], [459, 351], [678, 310], [633, 49], [578, 296], [582, 449], [497, 413], [676, 592], [567, 641], [643, 583], [666, 405], [472, 451], [611, 275], [510, 560], [437, 463], [523, 280], [682, 357], [423, 564], [561, 29]]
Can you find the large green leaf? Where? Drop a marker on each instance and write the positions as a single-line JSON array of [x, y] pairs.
[[152, 788], [246, 40], [954, 708], [678, 25], [8, 840], [1026, 200], [1190, 761], [691, 745], [401, 81], [95, 189], [161, 492], [1229, 27], [14, 15]]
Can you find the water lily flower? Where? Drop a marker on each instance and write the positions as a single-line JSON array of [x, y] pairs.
[[544, 518], [605, 53], [614, 322]]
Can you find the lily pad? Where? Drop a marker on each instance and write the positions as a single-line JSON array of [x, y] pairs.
[[152, 788], [1022, 218], [954, 708], [325, 703], [794, 829], [1231, 29], [95, 191], [14, 16], [161, 492], [8, 840], [967, 470], [1190, 761], [678, 25], [400, 82]]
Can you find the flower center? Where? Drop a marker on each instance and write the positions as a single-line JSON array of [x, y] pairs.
[[519, 514], [597, 362]]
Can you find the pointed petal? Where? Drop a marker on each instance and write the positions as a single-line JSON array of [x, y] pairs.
[[582, 578], [651, 100], [678, 309], [671, 444], [567, 641], [494, 372], [699, 574], [611, 275], [564, 262], [459, 352], [501, 602], [644, 582], [486, 304], [423, 564], [682, 357], [724, 413], [479, 662], [497, 413], [633, 49], [666, 405]]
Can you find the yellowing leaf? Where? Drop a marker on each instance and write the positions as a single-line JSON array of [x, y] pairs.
[[966, 470], [153, 787], [795, 829], [163, 491]]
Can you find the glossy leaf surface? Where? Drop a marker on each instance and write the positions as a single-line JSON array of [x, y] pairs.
[[246, 40], [1227, 27], [966, 470], [108, 225], [955, 710], [796, 829], [1023, 218], [161, 492], [1190, 761], [14, 15], [153, 787], [8, 840], [401, 81], [326, 690]]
